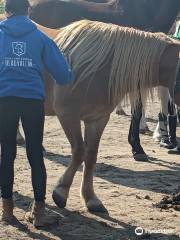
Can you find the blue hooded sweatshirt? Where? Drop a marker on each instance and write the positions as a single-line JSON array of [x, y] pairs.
[[25, 52]]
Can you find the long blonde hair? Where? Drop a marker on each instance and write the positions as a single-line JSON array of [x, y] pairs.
[[134, 54]]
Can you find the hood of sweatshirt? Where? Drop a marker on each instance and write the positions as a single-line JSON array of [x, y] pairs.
[[17, 26]]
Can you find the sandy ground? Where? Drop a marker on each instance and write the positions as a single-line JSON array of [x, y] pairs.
[[127, 188]]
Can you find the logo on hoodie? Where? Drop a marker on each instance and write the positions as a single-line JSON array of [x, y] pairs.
[[19, 48]]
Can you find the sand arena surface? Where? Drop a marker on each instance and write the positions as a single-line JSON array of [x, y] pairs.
[[127, 188]]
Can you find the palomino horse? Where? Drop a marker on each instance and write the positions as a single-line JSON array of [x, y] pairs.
[[109, 62], [151, 15]]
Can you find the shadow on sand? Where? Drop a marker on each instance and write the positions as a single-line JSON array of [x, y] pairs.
[[75, 225], [153, 180]]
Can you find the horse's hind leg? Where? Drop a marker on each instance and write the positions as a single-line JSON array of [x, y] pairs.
[[120, 110], [143, 128], [93, 133], [72, 129]]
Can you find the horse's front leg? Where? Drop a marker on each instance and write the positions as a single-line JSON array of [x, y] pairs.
[[93, 133], [133, 137], [72, 129]]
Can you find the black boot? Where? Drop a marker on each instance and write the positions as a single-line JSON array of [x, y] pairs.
[[172, 134], [163, 131], [172, 120], [175, 150]]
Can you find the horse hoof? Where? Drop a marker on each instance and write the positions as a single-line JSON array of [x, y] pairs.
[[121, 112], [59, 201], [145, 130], [97, 208], [142, 131], [141, 157], [175, 151], [95, 205]]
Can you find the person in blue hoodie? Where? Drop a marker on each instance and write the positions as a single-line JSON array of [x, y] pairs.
[[25, 52]]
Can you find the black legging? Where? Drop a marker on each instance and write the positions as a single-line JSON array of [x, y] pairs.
[[31, 112]]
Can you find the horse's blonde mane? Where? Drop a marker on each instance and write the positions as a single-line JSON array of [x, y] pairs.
[[133, 56]]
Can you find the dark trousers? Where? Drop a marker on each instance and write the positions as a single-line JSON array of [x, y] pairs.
[[31, 113]]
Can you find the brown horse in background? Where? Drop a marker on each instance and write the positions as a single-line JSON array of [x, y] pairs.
[[150, 15]]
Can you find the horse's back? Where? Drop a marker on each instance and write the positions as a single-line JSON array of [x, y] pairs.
[[54, 14], [153, 15]]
